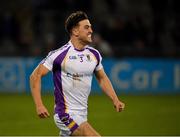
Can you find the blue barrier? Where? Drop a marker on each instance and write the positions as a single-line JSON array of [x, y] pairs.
[[143, 75], [127, 75]]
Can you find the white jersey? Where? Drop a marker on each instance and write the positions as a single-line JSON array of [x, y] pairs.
[[72, 75]]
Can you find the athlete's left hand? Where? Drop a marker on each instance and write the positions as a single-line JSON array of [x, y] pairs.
[[119, 106]]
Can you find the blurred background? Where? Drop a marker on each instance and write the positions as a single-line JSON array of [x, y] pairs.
[[140, 28], [140, 44]]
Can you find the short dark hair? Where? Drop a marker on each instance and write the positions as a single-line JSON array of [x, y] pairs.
[[73, 19]]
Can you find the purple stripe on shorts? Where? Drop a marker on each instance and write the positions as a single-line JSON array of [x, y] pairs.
[[66, 119], [74, 127], [58, 93], [96, 54]]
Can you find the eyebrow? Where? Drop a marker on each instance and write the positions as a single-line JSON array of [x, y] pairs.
[[88, 25]]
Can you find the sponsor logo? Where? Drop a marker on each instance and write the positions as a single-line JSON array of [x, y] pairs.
[[72, 57], [74, 76], [77, 76]]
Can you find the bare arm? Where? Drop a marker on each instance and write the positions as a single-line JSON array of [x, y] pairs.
[[107, 87], [35, 84]]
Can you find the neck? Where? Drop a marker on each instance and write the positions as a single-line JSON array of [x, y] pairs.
[[77, 44]]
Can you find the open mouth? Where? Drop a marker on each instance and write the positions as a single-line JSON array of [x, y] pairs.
[[89, 36]]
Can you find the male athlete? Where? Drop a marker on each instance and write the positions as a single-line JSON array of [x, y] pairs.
[[73, 66]]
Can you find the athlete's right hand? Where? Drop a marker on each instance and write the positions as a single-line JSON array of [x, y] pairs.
[[42, 111]]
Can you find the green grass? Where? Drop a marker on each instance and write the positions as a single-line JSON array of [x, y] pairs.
[[143, 115]]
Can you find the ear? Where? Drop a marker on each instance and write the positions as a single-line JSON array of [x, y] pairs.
[[75, 31]]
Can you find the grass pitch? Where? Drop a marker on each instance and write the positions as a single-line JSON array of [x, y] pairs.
[[143, 116]]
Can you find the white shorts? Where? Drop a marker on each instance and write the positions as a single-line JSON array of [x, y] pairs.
[[68, 123]]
